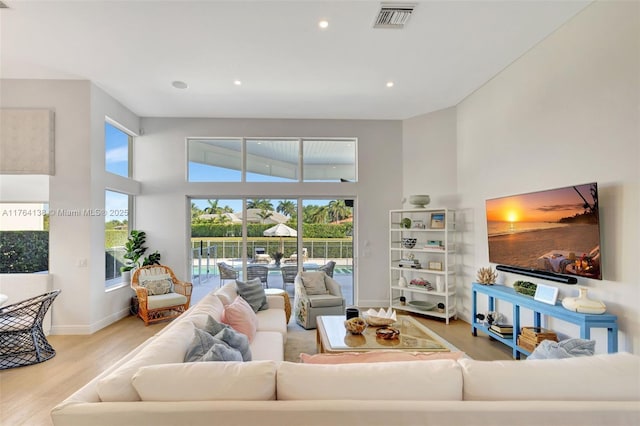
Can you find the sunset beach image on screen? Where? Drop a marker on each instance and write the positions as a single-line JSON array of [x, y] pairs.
[[556, 230]]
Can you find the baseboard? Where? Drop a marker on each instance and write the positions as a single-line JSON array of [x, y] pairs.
[[90, 328]]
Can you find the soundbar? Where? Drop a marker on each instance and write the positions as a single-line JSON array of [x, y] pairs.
[[538, 274]]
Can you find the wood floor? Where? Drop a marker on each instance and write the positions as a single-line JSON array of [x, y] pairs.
[[28, 394]]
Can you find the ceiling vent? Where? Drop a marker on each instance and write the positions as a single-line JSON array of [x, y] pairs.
[[393, 15]]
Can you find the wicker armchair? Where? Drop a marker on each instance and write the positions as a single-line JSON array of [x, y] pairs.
[[22, 340], [226, 272], [159, 307]]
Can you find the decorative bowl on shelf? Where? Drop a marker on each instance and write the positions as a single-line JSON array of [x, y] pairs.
[[409, 242], [423, 305], [419, 200]]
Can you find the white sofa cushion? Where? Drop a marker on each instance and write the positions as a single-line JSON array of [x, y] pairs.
[[227, 293], [267, 345], [273, 320], [439, 380], [608, 377], [210, 305], [207, 381], [170, 347]]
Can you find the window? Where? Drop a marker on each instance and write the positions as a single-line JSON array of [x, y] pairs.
[[117, 150], [272, 160], [218, 160], [116, 230], [329, 160], [24, 238]]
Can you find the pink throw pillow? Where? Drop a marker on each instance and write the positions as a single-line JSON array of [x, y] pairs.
[[241, 317], [377, 356]]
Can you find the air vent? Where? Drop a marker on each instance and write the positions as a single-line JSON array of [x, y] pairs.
[[393, 15]]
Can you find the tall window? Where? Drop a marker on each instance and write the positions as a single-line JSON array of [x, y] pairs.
[[116, 230], [117, 150], [272, 160], [24, 238]]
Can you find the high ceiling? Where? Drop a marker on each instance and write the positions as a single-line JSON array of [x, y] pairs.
[[288, 66]]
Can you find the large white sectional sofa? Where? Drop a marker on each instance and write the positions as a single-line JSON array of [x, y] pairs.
[[152, 386]]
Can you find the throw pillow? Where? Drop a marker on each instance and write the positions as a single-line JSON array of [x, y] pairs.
[[377, 356], [241, 317], [548, 349], [235, 340], [253, 293], [205, 347], [156, 287], [313, 282]]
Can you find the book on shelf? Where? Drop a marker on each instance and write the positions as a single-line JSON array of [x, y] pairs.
[[502, 328], [503, 335]]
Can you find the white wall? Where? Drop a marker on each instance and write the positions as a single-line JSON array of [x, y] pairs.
[[567, 112], [76, 257], [161, 167]]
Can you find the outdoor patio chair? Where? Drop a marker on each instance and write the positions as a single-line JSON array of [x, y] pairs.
[[288, 275], [261, 255], [226, 272], [328, 268], [161, 296], [258, 271], [308, 306], [294, 256], [22, 339]]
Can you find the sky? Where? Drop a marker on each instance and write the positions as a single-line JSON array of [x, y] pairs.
[[544, 206]]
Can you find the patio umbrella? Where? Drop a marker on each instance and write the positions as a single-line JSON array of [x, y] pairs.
[[280, 230]]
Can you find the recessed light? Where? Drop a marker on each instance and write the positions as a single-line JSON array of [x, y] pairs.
[[179, 84], [237, 82], [390, 83], [323, 24]]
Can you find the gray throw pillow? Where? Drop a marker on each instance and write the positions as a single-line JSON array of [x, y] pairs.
[[213, 327], [205, 347], [221, 352], [253, 293], [235, 340]]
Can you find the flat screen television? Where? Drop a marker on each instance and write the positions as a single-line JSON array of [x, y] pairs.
[[555, 232]]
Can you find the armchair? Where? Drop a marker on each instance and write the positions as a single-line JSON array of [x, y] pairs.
[[22, 340], [257, 271], [226, 272], [161, 295], [309, 304], [288, 275]]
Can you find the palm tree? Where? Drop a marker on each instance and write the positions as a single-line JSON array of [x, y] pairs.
[[213, 207], [315, 214], [195, 210], [264, 214], [287, 208], [259, 204], [337, 210]]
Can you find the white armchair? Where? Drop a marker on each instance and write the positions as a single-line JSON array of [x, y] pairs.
[[316, 294]]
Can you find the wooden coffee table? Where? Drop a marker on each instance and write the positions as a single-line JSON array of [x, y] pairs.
[[332, 337]]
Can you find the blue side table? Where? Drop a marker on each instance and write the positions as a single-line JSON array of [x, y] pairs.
[[585, 321]]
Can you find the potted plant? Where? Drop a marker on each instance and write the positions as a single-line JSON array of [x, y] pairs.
[[134, 254], [278, 257]]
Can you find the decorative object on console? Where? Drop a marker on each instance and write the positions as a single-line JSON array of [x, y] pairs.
[[419, 201], [546, 294], [406, 223], [525, 287], [355, 325], [583, 304], [435, 266], [402, 281], [487, 276], [409, 242], [421, 283], [387, 333]]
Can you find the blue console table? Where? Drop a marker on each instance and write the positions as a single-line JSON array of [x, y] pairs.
[[508, 294]]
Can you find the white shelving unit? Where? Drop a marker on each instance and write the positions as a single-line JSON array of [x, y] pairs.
[[434, 251]]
